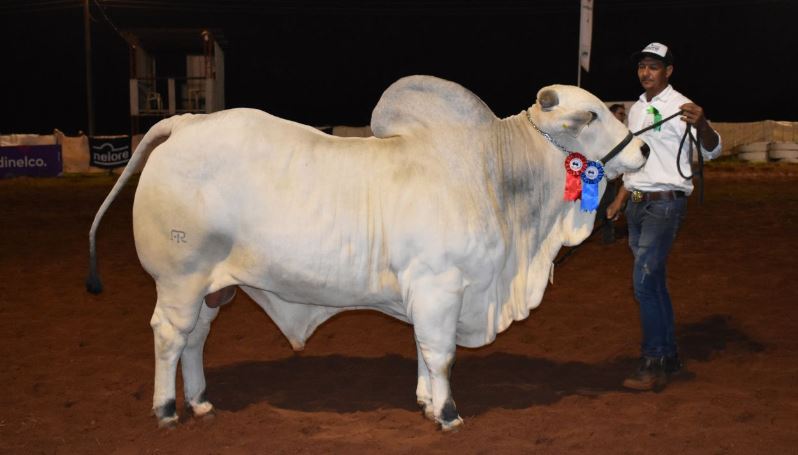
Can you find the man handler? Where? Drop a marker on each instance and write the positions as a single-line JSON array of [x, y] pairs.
[[658, 194]]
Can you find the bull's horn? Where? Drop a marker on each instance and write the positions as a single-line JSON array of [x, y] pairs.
[[548, 99]]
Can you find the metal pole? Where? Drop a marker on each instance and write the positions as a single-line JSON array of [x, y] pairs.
[[87, 45]]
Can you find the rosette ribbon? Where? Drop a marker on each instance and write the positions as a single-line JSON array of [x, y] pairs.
[[574, 166], [656, 116], [591, 177]]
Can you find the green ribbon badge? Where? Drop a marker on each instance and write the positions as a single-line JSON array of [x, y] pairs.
[[657, 116]]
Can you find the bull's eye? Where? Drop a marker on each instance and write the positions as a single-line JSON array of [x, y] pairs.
[[593, 117]]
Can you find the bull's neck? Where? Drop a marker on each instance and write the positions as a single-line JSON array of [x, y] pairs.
[[526, 163]]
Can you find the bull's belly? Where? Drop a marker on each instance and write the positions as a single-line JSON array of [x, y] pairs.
[[335, 296], [340, 286]]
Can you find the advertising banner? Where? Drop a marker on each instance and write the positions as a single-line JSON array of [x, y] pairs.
[[585, 33], [109, 152], [30, 161]]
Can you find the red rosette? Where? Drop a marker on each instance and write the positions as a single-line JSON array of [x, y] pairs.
[[575, 164]]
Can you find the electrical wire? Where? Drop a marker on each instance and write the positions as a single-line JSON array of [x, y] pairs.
[[108, 20]]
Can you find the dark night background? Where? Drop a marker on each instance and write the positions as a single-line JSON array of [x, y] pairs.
[[327, 62]]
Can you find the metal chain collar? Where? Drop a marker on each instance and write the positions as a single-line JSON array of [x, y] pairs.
[[616, 150], [545, 134]]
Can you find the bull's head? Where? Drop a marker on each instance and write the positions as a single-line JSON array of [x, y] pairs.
[[582, 123]]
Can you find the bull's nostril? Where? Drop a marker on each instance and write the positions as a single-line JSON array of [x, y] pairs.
[[645, 150]]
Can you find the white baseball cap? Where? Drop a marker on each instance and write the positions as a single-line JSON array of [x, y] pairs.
[[656, 50]]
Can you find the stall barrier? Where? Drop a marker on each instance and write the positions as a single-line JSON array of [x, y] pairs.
[[764, 140]]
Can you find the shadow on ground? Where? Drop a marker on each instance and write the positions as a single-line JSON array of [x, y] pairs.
[[349, 384]]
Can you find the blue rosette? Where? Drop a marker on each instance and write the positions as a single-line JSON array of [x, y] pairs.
[[591, 177]]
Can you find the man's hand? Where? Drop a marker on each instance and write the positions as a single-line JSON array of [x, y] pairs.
[[614, 210], [615, 207], [693, 114]]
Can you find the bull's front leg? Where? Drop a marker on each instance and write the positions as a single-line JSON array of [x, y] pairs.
[[435, 302]]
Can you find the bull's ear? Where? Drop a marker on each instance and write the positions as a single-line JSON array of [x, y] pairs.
[[574, 122], [548, 99]]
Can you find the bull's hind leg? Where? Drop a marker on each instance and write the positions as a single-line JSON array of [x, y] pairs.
[[435, 307], [191, 362], [175, 316], [423, 387]]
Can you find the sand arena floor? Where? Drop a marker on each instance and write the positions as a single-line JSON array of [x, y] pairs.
[[78, 369]]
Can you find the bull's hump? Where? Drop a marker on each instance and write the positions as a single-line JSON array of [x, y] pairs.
[[426, 102]]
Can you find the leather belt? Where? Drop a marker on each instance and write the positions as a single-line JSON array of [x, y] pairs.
[[640, 196]]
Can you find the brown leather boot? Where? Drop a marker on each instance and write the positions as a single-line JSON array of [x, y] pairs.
[[649, 375]]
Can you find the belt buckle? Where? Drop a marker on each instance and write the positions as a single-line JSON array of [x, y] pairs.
[[637, 196]]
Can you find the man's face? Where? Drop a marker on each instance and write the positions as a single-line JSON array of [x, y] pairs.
[[653, 74], [620, 114]]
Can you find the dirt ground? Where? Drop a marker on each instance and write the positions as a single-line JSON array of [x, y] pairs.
[[78, 368]]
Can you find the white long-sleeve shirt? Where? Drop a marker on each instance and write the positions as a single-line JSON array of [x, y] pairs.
[[660, 172]]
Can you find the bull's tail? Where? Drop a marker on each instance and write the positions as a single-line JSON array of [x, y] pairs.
[[159, 133]]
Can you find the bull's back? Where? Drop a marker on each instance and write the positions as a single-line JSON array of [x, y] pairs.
[[246, 196]]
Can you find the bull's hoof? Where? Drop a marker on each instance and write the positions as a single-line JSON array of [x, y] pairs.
[[166, 414], [203, 410], [426, 409], [450, 420], [452, 426], [168, 423]]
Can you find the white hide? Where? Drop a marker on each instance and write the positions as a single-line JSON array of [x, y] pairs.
[[326, 224], [447, 203]]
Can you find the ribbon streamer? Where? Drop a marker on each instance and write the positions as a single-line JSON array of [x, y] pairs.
[[657, 117], [591, 177], [574, 166]]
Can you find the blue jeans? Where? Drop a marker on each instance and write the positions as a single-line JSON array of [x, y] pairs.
[[652, 229]]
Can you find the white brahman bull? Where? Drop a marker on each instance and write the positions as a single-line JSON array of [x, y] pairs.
[[448, 219]]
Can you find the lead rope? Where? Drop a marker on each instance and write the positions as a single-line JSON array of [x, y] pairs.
[[700, 172], [692, 142], [654, 125]]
